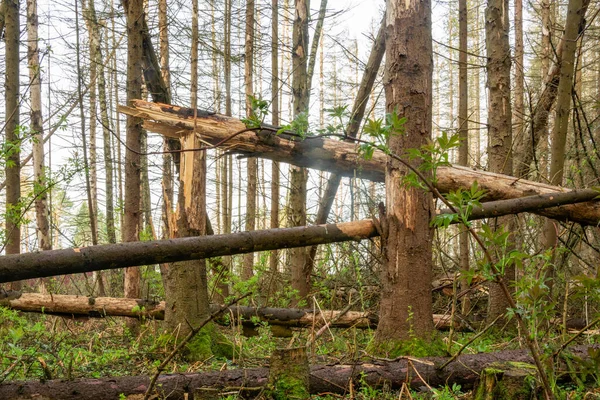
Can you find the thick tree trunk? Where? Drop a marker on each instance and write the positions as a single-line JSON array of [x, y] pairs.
[[250, 382], [341, 157], [188, 304], [406, 304]]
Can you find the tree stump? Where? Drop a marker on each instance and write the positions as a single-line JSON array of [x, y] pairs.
[[507, 381], [289, 374]]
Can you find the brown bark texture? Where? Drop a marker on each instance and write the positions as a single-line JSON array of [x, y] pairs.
[[12, 237], [135, 22], [499, 123], [341, 157], [406, 303], [250, 382], [99, 307], [112, 256], [65, 261]]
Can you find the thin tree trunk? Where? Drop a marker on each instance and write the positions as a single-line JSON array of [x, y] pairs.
[[273, 260], [463, 132], [12, 237], [575, 17], [131, 228], [406, 304], [252, 163], [37, 127], [298, 176]]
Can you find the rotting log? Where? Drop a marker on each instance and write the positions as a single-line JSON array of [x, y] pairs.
[[121, 255], [323, 378], [340, 157], [98, 307]]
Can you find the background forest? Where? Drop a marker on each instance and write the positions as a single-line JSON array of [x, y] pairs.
[[271, 103]]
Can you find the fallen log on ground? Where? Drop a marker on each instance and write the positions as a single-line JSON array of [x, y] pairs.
[[323, 378], [340, 157], [97, 307]]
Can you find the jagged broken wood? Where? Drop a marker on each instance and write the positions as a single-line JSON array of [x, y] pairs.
[[340, 157], [95, 307], [250, 382]]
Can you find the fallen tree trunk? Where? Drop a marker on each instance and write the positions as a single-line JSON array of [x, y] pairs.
[[96, 258], [99, 307], [340, 157], [121, 255], [96, 307], [323, 378]]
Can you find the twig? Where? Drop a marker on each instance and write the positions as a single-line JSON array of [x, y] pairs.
[[568, 342], [185, 340], [454, 357]]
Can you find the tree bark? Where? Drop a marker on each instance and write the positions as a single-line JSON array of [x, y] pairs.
[[299, 175], [252, 162], [135, 28], [250, 382], [86, 259], [499, 123], [40, 189], [340, 157], [111, 256], [273, 259], [12, 237], [575, 17], [463, 132], [406, 304]]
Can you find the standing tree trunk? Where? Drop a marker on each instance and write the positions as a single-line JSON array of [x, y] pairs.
[[298, 175], [12, 237], [188, 305], [97, 77], [273, 260], [575, 17], [406, 305], [463, 132], [40, 189], [248, 265], [135, 19], [499, 121]]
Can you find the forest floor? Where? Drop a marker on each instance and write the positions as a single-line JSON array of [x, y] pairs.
[[43, 347]]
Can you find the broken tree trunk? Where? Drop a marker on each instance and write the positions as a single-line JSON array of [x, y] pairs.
[[339, 157], [250, 382], [96, 307], [96, 258]]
